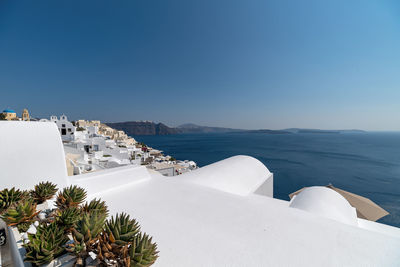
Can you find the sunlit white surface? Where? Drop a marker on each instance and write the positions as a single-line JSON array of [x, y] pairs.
[[201, 219], [31, 152], [325, 202]]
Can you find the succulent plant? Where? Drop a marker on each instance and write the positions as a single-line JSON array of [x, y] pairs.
[[46, 244], [23, 227], [142, 252], [108, 251], [95, 205], [20, 212], [9, 197], [122, 229], [85, 233], [43, 191], [68, 217], [70, 197]]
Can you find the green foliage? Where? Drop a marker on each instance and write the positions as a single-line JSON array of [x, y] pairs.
[[68, 217], [2, 117], [80, 129], [172, 159], [21, 212], [96, 205], [86, 231], [143, 252], [118, 239], [23, 227], [9, 197], [70, 197], [43, 191], [122, 229], [46, 244]]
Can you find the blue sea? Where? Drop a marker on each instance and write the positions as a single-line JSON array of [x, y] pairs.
[[367, 164]]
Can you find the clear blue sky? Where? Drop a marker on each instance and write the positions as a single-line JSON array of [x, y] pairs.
[[246, 64]]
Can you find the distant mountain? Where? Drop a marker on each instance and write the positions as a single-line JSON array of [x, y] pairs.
[[318, 131], [143, 128], [151, 128], [193, 128]]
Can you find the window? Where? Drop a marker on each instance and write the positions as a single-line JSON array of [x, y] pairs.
[[69, 130], [62, 125]]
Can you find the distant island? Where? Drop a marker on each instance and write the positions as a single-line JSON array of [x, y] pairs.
[[134, 128]]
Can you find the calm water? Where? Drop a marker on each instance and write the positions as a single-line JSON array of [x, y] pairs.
[[364, 163]]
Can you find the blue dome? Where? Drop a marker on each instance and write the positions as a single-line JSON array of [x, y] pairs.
[[8, 111]]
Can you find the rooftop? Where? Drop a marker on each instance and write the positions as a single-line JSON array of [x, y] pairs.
[[8, 111], [219, 215]]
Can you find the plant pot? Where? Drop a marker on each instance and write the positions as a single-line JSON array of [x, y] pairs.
[[65, 260]]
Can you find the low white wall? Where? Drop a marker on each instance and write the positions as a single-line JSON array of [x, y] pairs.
[[110, 179]]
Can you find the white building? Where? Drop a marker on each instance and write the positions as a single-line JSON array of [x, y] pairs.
[[223, 214], [65, 127]]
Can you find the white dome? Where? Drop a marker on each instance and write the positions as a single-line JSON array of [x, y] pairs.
[[325, 202]]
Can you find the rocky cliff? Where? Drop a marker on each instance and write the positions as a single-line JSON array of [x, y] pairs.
[[143, 128]]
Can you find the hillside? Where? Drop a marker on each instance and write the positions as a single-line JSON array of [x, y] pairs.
[[143, 128], [150, 128]]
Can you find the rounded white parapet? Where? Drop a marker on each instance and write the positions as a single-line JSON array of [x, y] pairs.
[[325, 202], [31, 152], [240, 175]]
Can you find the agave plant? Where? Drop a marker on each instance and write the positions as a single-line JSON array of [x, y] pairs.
[[95, 205], [122, 229], [9, 197], [43, 191], [85, 234], [68, 217], [70, 197], [142, 252], [21, 212], [46, 244]]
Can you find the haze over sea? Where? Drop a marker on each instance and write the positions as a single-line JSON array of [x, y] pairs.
[[367, 164]]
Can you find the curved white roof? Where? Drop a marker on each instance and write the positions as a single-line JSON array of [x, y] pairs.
[[240, 175], [325, 202]]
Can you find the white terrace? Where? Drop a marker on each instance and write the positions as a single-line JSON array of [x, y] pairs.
[[219, 215]]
